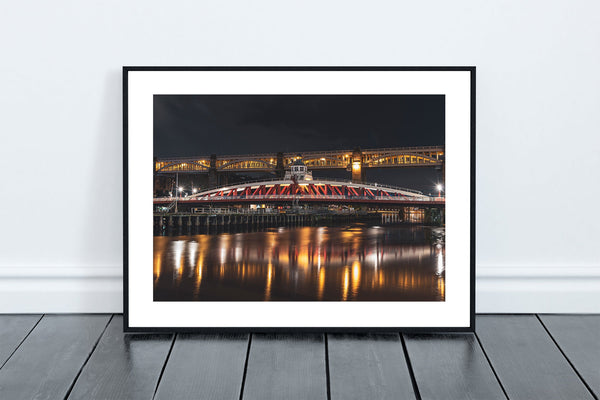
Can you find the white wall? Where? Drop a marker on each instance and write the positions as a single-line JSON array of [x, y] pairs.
[[538, 127]]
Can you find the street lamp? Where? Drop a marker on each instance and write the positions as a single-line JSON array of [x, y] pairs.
[[180, 191], [439, 188], [194, 190]]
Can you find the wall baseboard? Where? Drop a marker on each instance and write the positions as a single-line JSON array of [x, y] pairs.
[[538, 289], [500, 289], [51, 289]]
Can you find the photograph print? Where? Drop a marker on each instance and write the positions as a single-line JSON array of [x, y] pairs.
[[299, 198], [278, 198]]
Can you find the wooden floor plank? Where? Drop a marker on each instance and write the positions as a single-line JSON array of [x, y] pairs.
[[46, 364], [526, 360], [205, 366], [123, 366], [579, 338], [368, 366], [13, 329], [451, 366], [286, 366]]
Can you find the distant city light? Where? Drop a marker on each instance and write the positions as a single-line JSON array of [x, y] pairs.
[[439, 187], [180, 189], [195, 190]]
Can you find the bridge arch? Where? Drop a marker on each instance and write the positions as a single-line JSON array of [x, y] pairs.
[[184, 166], [237, 161], [374, 160], [316, 161]]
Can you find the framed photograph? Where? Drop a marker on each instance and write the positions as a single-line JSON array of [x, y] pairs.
[[299, 198]]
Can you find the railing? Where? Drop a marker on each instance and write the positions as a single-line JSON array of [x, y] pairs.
[[411, 149], [302, 197], [214, 211], [221, 211]]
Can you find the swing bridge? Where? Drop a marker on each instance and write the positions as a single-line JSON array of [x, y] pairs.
[[321, 191]]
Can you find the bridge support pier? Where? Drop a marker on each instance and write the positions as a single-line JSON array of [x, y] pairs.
[[212, 171], [358, 172], [279, 168]]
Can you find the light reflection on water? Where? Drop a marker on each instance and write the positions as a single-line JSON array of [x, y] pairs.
[[359, 262]]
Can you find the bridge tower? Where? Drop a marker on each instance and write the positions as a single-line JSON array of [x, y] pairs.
[[212, 171], [442, 170], [279, 168], [358, 172]]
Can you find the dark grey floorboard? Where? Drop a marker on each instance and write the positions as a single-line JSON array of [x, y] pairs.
[[46, 364], [526, 360], [579, 338], [368, 366], [123, 366], [13, 329], [451, 366], [205, 367], [286, 366]]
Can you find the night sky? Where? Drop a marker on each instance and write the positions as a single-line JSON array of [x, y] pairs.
[[190, 125]]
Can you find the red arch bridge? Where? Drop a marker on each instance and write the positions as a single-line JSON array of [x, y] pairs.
[[322, 191]]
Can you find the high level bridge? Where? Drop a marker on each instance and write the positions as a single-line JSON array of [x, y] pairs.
[[355, 161]]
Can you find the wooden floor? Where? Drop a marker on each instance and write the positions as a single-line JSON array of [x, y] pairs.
[[510, 356]]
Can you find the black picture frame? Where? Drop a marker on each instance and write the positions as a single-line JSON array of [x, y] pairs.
[[126, 228]]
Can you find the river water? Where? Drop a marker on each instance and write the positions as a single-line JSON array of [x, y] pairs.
[[344, 263]]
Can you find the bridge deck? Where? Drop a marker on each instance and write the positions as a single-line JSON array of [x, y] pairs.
[[309, 199], [397, 157], [88, 357]]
